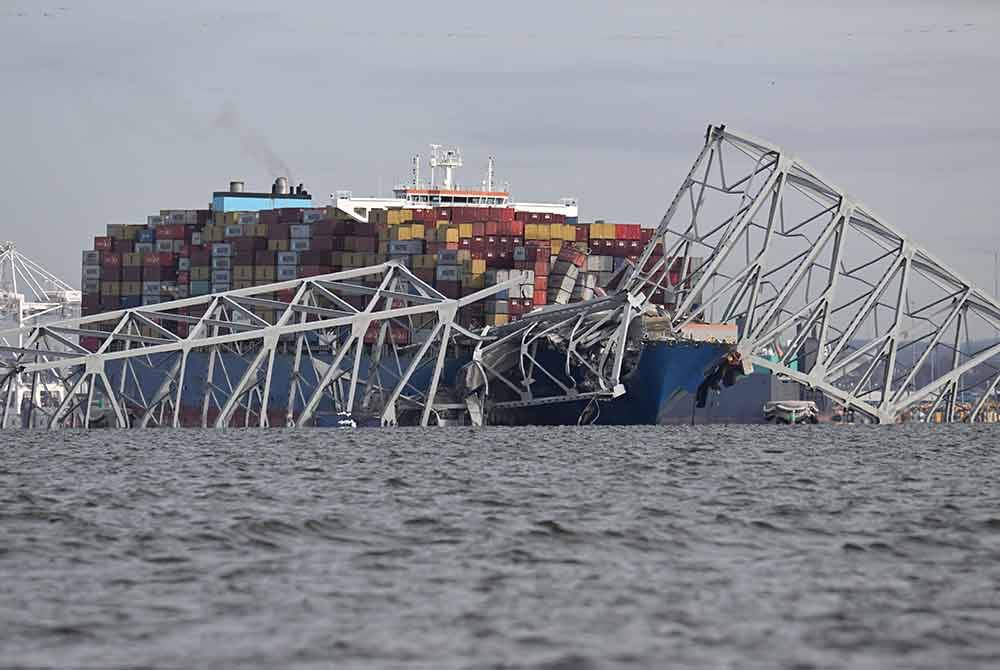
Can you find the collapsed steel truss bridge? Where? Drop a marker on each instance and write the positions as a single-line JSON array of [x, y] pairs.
[[825, 293], [372, 341]]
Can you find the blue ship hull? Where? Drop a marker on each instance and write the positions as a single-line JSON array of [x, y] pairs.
[[665, 371]]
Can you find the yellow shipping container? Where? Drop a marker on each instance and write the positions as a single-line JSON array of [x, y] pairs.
[[596, 231], [243, 272], [219, 218], [478, 266], [264, 272], [131, 288], [556, 246], [242, 284], [405, 233], [277, 245], [201, 273], [394, 217], [132, 260], [474, 281], [544, 231], [531, 231], [569, 232], [132, 231], [465, 230], [260, 230], [111, 288], [416, 231], [377, 217], [452, 234], [464, 256], [556, 231]]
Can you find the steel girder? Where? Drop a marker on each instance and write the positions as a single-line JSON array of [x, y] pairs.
[[371, 341], [558, 354], [824, 292]]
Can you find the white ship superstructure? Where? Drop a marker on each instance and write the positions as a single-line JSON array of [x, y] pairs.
[[419, 194]]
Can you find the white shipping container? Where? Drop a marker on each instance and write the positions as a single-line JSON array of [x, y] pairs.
[[221, 276], [222, 249], [221, 288], [300, 231], [165, 246], [91, 257], [144, 247], [184, 264], [600, 263], [91, 272], [222, 263], [91, 286], [313, 215], [249, 218], [299, 244], [234, 230], [151, 300], [448, 273], [196, 238], [151, 288], [154, 220], [288, 258], [286, 272], [178, 246]]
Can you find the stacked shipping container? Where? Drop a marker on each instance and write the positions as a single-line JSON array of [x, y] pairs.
[[457, 250]]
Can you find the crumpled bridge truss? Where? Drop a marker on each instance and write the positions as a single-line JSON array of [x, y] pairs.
[[320, 332], [824, 292]]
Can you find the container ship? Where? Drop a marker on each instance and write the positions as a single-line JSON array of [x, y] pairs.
[[457, 239]]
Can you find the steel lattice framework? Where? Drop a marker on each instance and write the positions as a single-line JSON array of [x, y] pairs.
[[372, 341], [823, 290]]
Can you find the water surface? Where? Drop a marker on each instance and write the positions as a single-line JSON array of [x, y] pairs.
[[699, 547]]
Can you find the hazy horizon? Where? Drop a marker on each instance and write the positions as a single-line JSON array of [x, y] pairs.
[[118, 109]]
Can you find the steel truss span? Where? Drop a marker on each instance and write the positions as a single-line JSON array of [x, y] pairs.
[[370, 342], [824, 292]]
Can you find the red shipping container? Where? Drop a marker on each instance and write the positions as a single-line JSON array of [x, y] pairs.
[[243, 258], [102, 243], [171, 232], [541, 283], [478, 255], [268, 217], [449, 289], [285, 295], [464, 242], [516, 228], [122, 246], [478, 229], [582, 233], [277, 231], [201, 256], [290, 215], [321, 244], [109, 260], [538, 297], [492, 228], [442, 214]]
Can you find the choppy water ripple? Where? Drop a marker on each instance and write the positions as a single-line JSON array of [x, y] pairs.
[[538, 548]]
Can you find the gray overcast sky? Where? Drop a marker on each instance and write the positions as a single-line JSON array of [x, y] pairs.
[[113, 109]]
